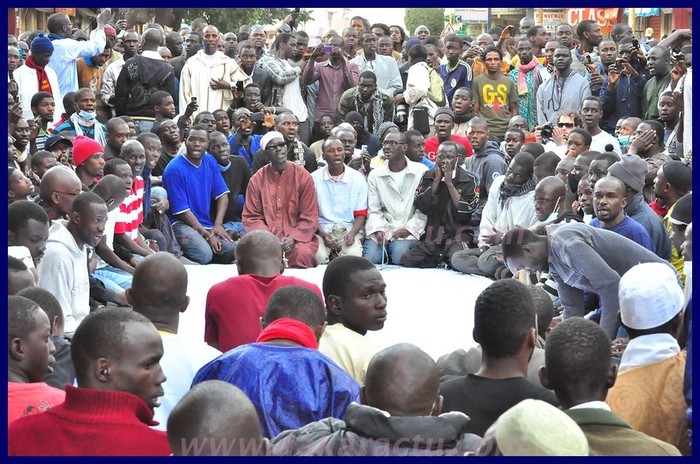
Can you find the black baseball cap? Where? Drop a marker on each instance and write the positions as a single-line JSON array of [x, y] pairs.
[[54, 139]]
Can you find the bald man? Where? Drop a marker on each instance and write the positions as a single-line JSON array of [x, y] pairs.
[[549, 199], [399, 415], [145, 73], [199, 419], [260, 266], [117, 134], [210, 76], [525, 24], [159, 292], [173, 41], [57, 190]]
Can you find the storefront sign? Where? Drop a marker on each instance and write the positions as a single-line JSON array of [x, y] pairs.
[[552, 18], [472, 15], [604, 17]]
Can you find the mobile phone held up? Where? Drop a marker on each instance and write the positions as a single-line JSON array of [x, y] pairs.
[[328, 49], [239, 86]]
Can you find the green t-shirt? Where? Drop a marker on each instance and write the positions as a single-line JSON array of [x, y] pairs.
[[495, 98]]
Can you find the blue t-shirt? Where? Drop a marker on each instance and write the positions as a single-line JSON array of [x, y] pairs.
[[238, 149], [289, 386], [193, 187], [631, 229], [461, 76]]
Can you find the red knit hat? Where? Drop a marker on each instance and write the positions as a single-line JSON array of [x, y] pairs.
[[84, 148], [110, 31]]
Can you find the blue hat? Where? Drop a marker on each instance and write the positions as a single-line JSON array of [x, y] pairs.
[[411, 42], [41, 44]]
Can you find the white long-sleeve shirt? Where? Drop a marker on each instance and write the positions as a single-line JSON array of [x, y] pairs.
[[390, 207]]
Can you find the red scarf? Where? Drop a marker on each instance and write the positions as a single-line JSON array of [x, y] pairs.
[[44, 84], [289, 329]]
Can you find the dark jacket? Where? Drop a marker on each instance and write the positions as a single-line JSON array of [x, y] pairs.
[[640, 211], [263, 80], [236, 177], [444, 220], [366, 431], [609, 435], [624, 101], [139, 79]]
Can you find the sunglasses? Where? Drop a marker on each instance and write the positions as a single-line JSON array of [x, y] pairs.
[[566, 124]]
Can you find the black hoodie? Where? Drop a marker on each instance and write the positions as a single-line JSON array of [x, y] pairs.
[[139, 79]]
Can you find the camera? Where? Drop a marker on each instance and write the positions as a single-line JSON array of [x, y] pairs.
[[257, 117], [678, 56], [547, 131], [239, 86], [619, 65], [635, 43], [401, 116], [328, 49], [588, 59]]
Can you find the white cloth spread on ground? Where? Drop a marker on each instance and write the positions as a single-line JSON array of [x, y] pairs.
[[420, 308]]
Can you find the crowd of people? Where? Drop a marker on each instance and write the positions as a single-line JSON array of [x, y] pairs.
[[557, 165]]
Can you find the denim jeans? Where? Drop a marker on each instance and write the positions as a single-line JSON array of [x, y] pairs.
[[113, 278], [195, 248], [237, 226], [395, 249]]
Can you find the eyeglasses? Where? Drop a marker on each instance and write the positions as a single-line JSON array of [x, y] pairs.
[[391, 143], [568, 125], [73, 194], [276, 146]]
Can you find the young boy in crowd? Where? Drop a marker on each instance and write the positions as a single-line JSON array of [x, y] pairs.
[[28, 226], [41, 162], [127, 229], [62, 370], [355, 295], [19, 187], [29, 359], [111, 270]]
